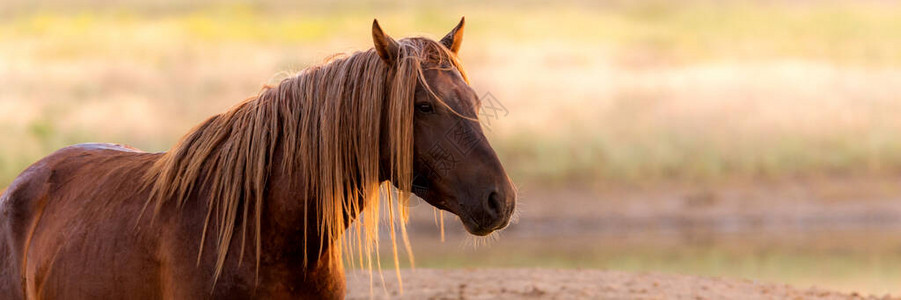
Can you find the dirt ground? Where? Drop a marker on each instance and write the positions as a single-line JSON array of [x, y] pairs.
[[572, 284], [814, 239]]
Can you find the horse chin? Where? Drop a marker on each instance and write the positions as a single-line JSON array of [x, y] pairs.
[[471, 226], [442, 203], [477, 230]]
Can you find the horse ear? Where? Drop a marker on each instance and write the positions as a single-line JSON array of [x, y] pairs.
[[384, 44], [454, 38]]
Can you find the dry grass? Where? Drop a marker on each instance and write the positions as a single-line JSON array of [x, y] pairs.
[[595, 92]]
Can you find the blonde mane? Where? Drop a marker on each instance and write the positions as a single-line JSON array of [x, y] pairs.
[[324, 123]]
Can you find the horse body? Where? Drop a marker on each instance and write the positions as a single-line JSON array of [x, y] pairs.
[[255, 202], [82, 239], [53, 221]]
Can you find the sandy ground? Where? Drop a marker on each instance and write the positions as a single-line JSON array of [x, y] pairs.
[[573, 284]]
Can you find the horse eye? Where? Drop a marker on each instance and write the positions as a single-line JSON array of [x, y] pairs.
[[424, 107]]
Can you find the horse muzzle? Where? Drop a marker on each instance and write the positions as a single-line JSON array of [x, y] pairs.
[[492, 213]]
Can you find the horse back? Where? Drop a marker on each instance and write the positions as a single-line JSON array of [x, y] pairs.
[[67, 209]]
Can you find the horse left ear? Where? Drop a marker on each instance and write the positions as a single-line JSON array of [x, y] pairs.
[[454, 38], [385, 46]]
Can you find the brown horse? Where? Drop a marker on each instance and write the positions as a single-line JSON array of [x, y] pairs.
[[257, 202]]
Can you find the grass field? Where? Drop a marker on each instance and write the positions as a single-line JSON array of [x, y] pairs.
[[640, 95], [595, 92]]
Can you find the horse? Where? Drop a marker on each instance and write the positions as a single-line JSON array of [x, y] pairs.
[[268, 199]]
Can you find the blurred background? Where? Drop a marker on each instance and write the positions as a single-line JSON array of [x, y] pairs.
[[745, 139]]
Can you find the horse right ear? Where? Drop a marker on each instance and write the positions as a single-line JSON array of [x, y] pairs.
[[385, 46]]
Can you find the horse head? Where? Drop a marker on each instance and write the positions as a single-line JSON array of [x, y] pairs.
[[454, 166]]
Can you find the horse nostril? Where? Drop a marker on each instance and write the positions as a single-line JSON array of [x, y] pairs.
[[494, 204]]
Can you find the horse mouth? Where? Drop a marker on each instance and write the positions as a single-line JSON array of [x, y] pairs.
[[477, 229], [482, 229], [422, 188]]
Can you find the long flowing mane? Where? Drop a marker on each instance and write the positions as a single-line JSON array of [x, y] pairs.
[[324, 124]]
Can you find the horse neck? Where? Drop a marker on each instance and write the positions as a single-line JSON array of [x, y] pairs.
[[292, 216], [287, 214]]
